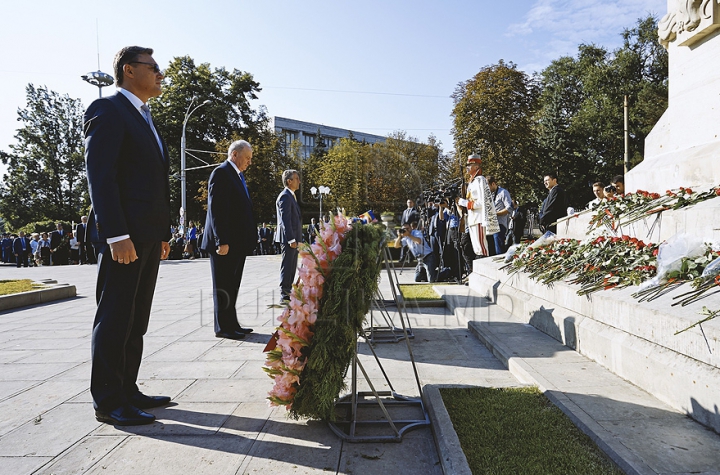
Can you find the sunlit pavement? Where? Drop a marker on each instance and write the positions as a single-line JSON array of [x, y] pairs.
[[219, 421]]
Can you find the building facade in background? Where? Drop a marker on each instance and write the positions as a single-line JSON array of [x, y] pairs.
[[307, 134]]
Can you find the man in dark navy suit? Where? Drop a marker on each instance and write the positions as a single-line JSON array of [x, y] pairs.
[[265, 235], [127, 171], [21, 246], [289, 231], [87, 255], [555, 205], [59, 246], [230, 236]]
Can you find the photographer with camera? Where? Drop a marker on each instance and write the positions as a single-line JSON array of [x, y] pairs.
[[609, 191], [619, 182], [426, 263]]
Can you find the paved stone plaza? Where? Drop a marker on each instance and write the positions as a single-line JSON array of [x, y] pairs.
[[219, 421]]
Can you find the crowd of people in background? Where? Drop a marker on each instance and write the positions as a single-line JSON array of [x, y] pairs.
[[71, 248], [443, 237], [57, 248], [438, 236], [431, 236]]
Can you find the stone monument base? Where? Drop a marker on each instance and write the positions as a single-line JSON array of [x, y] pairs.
[[695, 167], [702, 219], [634, 340]]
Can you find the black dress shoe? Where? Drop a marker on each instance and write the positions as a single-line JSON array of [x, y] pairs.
[[245, 330], [142, 401], [127, 415], [231, 335]]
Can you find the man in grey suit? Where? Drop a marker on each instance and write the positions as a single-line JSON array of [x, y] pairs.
[[127, 171], [289, 231]]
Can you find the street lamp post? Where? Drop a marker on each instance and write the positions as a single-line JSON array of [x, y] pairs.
[[318, 194], [98, 79], [183, 192]]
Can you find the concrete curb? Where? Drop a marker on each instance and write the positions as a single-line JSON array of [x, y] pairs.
[[629, 462], [452, 457], [34, 297]]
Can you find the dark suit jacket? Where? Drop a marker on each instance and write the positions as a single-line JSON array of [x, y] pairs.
[[312, 231], [56, 239], [229, 217], [289, 220], [17, 245], [80, 233], [554, 207], [265, 233], [127, 174], [409, 215]]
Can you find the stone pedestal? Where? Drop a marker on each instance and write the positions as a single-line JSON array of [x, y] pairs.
[[703, 220], [683, 148], [636, 341]]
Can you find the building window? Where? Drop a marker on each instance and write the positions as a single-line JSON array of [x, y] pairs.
[[290, 137]]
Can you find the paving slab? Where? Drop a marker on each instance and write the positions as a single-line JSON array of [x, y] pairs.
[[219, 420], [27, 405], [287, 446], [82, 456], [199, 455], [227, 390], [50, 434], [22, 465]]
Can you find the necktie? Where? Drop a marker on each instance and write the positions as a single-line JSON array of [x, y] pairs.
[[148, 119], [242, 179]]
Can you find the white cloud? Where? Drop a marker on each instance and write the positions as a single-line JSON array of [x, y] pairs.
[[557, 27]]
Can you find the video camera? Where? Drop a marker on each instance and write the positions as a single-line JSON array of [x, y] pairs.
[[440, 192]]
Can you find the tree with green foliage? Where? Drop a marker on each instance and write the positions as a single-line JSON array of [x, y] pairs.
[[380, 176], [579, 130], [644, 61], [263, 177], [46, 171], [493, 115], [228, 114], [402, 168], [569, 120], [580, 122], [343, 171]]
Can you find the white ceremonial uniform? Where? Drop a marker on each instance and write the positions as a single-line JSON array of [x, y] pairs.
[[482, 218]]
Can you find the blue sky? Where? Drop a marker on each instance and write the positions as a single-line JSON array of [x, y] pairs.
[[373, 66]]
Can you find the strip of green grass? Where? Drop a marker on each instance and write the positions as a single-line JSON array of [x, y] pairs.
[[8, 287], [519, 431], [419, 292]]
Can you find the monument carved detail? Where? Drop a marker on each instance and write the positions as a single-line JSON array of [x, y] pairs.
[[688, 21]]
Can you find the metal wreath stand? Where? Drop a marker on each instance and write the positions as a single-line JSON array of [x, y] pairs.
[[349, 407], [387, 333]]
